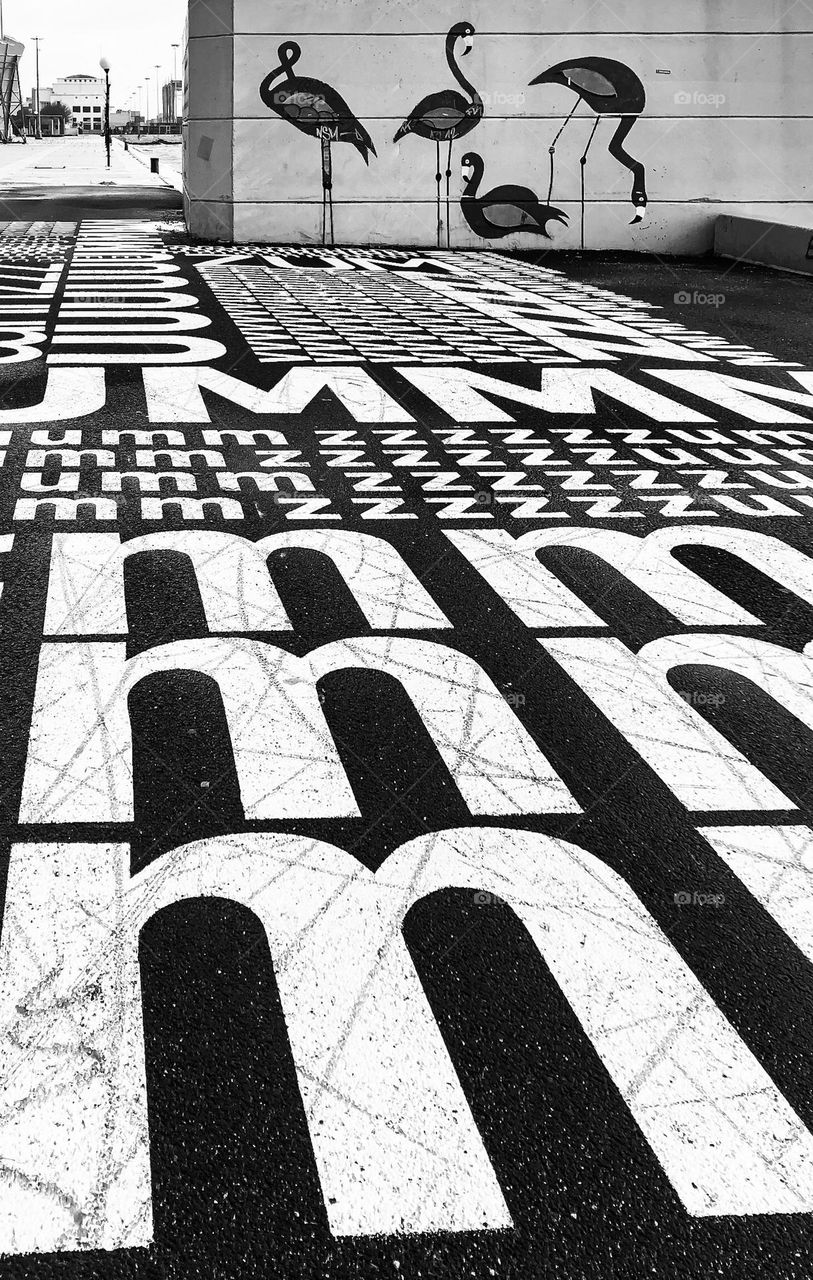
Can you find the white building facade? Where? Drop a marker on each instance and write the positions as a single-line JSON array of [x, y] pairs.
[[85, 96]]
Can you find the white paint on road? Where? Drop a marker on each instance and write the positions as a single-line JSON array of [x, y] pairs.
[[80, 763], [697, 763], [174, 394], [86, 593], [776, 865], [393, 1136], [458, 392], [510, 565]]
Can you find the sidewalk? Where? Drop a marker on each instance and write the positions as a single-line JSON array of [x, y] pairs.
[[69, 178], [169, 157]]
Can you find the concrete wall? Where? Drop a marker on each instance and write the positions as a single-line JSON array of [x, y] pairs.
[[725, 129]]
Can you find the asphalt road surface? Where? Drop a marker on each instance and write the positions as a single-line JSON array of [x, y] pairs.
[[406, 755]]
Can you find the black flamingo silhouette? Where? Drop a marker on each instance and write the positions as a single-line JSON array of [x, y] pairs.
[[502, 210], [609, 88], [319, 110], [446, 116]]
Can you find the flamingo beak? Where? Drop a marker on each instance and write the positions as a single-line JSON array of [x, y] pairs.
[[468, 45], [640, 214]]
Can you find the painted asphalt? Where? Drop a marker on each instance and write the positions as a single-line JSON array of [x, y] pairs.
[[461, 829]]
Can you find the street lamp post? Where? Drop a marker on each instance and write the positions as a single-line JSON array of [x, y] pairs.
[[38, 129], [105, 66], [157, 94], [175, 49], [147, 102]]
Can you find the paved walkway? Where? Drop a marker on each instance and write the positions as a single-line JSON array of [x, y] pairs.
[[66, 179], [169, 156], [71, 162]]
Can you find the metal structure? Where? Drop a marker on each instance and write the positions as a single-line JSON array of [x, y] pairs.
[[11, 51]]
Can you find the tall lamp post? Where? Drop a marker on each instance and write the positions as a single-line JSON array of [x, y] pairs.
[[38, 129], [105, 66], [175, 48], [157, 93], [147, 102]]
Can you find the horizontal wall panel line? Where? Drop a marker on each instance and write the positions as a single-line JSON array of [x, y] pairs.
[[481, 31], [698, 203], [495, 115]]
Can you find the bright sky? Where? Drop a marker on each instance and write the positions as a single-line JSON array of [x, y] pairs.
[[134, 36]]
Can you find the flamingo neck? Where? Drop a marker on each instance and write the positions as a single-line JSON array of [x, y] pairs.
[[458, 74], [288, 60], [470, 189], [275, 75]]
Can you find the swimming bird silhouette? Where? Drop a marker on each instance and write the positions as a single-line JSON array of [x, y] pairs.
[[446, 116], [609, 88], [503, 210], [317, 109]]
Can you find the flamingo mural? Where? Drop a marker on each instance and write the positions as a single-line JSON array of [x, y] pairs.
[[446, 116], [319, 110], [505, 209], [609, 88]]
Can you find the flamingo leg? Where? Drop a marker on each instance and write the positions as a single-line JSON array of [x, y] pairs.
[[448, 180], [438, 178], [552, 147], [330, 195], [583, 163], [635, 167], [327, 185]]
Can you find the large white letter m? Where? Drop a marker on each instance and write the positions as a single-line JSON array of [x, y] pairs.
[[394, 1139]]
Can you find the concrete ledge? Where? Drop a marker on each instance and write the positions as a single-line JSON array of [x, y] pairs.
[[770, 244]]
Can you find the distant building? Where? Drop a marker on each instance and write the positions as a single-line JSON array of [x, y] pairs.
[[172, 104], [84, 95], [124, 119], [52, 126]]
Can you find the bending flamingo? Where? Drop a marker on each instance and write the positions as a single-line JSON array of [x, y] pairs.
[[610, 89], [446, 116], [502, 210], [317, 109]]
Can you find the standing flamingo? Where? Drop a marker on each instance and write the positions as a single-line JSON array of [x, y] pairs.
[[611, 89], [445, 116], [318, 110], [502, 210]]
